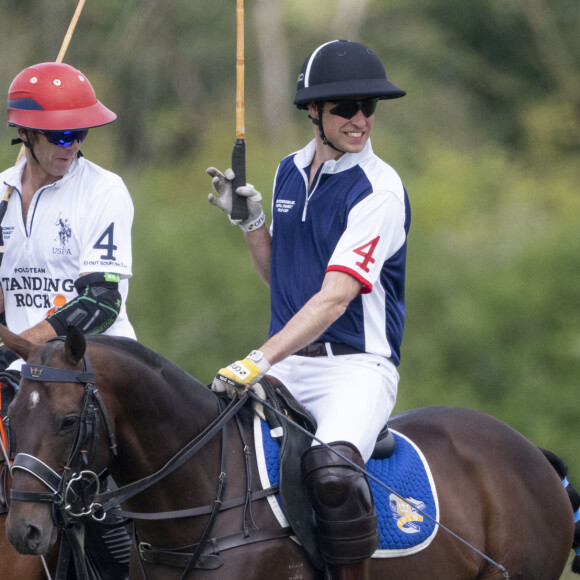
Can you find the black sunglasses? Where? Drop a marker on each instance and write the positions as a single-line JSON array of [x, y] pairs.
[[64, 138], [348, 109]]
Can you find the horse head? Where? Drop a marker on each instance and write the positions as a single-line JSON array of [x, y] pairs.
[[54, 417]]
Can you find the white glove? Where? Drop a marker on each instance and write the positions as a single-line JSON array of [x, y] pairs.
[[222, 185]]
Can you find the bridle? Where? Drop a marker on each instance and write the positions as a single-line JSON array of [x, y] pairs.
[[70, 493], [76, 493], [70, 488]]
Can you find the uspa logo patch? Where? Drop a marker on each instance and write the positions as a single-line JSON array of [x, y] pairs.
[[64, 230], [405, 513]]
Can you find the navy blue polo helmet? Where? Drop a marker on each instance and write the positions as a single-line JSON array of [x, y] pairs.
[[340, 70]]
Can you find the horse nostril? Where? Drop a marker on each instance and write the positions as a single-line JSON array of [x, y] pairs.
[[33, 537]]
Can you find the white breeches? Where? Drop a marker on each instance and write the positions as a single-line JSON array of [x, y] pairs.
[[350, 396]]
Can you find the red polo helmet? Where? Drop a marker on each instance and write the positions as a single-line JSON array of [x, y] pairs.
[[55, 97]]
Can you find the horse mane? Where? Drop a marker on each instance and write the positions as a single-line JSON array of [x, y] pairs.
[[173, 373]]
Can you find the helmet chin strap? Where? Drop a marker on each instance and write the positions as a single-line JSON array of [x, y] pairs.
[[28, 146], [318, 123]]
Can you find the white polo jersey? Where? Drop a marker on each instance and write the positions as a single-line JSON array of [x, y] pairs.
[[78, 225]]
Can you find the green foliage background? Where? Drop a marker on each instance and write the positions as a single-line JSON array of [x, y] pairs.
[[486, 141]]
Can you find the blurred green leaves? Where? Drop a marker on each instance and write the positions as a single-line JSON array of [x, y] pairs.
[[486, 141]]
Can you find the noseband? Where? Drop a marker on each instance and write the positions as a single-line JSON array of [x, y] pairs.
[[72, 490], [69, 489]]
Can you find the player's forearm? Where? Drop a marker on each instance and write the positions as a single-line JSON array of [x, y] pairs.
[[40, 333], [306, 326], [259, 243]]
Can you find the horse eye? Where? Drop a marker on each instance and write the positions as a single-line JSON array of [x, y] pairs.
[[69, 423]]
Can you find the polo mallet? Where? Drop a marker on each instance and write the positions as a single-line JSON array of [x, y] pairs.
[[239, 203], [59, 58]]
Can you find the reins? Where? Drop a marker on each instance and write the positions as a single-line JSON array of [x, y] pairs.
[[120, 495], [62, 494], [289, 421]]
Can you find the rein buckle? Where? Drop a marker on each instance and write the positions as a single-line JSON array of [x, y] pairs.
[[142, 547], [91, 477]]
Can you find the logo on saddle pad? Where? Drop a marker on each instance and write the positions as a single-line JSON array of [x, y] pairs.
[[405, 513]]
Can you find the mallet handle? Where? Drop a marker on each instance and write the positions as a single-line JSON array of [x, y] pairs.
[[239, 203]]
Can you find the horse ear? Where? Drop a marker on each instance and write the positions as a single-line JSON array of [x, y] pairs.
[[16, 343], [75, 344]]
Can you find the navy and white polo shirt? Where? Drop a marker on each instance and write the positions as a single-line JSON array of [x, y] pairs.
[[354, 219]]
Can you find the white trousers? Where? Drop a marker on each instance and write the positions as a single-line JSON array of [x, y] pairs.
[[350, 396]]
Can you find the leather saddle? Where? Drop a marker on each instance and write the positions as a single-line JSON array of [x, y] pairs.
[[293, 442]]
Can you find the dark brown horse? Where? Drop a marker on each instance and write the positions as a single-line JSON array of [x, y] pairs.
[[496, 490]]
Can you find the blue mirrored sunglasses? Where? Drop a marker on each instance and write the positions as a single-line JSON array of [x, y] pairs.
[[64, 138], [348, 109]]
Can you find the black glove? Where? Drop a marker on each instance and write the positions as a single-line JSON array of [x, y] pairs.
[[7, 357]]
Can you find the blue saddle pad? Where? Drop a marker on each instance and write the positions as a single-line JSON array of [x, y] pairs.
[[406, 511]]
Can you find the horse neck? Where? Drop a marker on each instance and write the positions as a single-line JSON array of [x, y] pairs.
[[160, 420], [155, 416]]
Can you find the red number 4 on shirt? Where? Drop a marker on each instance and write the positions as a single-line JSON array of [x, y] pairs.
[[366, 252]]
